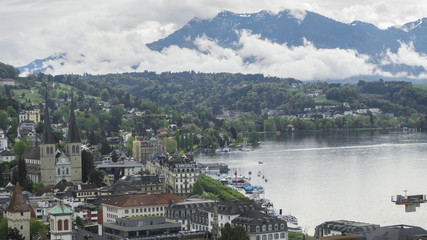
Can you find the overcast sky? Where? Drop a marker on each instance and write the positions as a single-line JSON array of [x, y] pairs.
[[101, 36]]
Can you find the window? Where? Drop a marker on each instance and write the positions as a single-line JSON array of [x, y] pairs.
[[264, 228], [59, 171], [126, 211], [66, 224], [59, 225], [257, 228], [264, 237], [282, 226], [52, 224], [270, 227], [258, 237], [282, 235], [270, 236], [276, 236], [276, 227]]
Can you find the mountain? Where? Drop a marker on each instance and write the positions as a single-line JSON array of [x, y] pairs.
[[41, 65], [292, 27], [295, 28]]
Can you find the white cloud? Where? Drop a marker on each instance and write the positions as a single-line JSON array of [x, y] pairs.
[[112, 36], [304, 62], [406, 55]]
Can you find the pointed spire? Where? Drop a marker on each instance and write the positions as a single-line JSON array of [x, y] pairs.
[[47, 137], [17, 202], [73, 132]]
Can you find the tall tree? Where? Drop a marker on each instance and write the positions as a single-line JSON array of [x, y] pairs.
[[114, 156], [233, 233], [22, 172], [87, 164]]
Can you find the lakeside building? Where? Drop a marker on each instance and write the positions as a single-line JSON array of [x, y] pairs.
[[140, 227], [138, 205], [261, 226], [340, 227], [397, 232], [183, 211], [180, 172]]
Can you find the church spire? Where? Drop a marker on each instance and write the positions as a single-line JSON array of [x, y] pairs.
[[47, 137], [73, 132]]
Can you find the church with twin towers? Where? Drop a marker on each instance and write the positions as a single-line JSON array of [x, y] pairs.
[[60, 164]]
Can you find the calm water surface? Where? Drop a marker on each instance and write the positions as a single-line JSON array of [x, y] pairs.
[[333, 176]]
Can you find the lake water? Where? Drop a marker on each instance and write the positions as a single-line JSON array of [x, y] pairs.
[[338, 176]]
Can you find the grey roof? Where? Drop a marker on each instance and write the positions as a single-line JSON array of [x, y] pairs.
[[81, 234], [395, 232], [122, 187], [124, 164], [48, 137], [253, 217], [349, 226], [73, 132]]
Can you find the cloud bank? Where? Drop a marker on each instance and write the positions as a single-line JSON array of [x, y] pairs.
[[104, 36]]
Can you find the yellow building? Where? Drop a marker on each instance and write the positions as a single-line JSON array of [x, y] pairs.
[[32, 115]]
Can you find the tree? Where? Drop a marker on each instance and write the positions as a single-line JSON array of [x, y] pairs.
[[105, 95], [79, 222], [233, 233], [3, 229], [19, 148], [171, 145], [87, 164], [37, 227], [97, 177], [105, 147], [197, 189], [4, 121], [114, 156], [11, 112], [37, 186], [254, 137], [129, 146], [14, 234], [233, 132], [22, 172]]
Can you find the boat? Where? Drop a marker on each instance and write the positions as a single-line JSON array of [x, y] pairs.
[[260, 162]]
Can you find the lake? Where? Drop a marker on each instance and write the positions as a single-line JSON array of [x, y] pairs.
[[319, 177]]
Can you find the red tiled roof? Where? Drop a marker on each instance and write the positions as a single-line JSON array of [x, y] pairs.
[[144, 200], [17, 202]]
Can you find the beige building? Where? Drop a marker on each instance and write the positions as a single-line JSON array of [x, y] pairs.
[[180, 173], [142, 149], [31, 115], [138, 205], [18, 213]]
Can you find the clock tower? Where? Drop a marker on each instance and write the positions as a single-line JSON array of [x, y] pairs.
[[63, 167]]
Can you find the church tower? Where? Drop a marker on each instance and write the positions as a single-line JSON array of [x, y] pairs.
[[18, 213], [73, 147], [60, 222], [47, 150]]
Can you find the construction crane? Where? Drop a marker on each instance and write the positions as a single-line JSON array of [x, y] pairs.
[[164, 126], [410, 202]]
